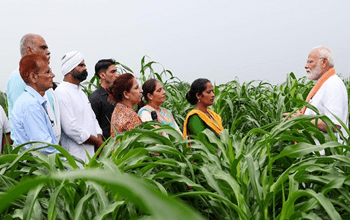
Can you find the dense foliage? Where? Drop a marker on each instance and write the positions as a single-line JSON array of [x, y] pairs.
[[254, 170]]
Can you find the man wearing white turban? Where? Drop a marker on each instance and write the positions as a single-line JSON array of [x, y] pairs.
[[80, 129]]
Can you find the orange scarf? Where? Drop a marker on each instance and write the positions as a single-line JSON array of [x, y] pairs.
[[215, 126], [317, 86]]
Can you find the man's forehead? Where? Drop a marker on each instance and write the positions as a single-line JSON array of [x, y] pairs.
[[82, 62], [313, 54], [39, 40], [112, 67]]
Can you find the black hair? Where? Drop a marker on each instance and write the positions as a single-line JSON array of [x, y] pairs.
[[123, 83], [148, 88], [102, 65], [197, 87]]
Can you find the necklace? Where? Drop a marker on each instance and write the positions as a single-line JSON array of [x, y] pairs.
[[206, 113]]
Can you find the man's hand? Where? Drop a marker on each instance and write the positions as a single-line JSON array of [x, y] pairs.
[[96, 141], [292, 115]]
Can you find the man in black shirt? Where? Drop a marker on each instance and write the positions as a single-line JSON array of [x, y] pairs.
[[106, 70]]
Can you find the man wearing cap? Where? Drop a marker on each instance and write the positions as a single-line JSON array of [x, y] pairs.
[[30, 118], [106, 70], [80, 129], [32, 44]]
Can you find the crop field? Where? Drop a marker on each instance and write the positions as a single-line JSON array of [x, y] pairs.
[[261, 167]]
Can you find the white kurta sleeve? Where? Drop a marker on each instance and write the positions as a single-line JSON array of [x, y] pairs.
[[335, 103], [69, 123], [5, 121]]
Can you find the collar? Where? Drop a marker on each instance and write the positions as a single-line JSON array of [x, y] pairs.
[[102, 90], [35, 94]]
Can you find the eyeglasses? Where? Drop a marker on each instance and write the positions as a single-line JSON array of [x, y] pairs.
[[47, 72]]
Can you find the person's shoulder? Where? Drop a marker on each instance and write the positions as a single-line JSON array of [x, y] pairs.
[[335, 82], [192, 112], [95, 95], [145, 108], [15, 74], [62, 94], [25, 100], [194, 118], [15, 80], [60, 88]]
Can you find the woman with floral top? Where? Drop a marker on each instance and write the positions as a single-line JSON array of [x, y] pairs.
[[126, 93]]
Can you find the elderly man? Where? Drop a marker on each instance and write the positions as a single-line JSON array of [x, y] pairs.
[[32, 44], [107, 72], [80, 129], [30, 118], [329, 95]]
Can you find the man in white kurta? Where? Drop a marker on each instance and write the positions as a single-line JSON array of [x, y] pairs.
[[329, 95], [332, 99], [81, 132]]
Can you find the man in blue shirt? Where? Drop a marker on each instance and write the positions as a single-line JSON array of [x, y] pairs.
[[30, 119], [30, 44]]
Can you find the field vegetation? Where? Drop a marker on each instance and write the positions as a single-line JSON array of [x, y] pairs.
[[261, 167]]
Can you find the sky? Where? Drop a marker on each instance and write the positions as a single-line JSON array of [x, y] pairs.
[[219, 40]]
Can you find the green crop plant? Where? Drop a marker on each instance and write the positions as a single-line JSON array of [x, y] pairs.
[[260, 167]]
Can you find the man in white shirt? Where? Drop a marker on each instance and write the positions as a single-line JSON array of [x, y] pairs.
[[4, 130], [329, 95], [32, 44], [80, 129]]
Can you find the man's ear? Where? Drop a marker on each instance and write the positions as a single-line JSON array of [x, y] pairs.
[[102, 75], [29, 50], [33, 77], [324, 62]]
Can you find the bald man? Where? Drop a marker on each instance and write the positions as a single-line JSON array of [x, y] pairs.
[[32, 44]]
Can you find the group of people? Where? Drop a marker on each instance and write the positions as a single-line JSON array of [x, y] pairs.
[[38, 111], [41, 111]]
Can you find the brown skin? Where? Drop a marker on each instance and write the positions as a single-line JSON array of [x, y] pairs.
[[108, 77], [205, 99], [42, 80], [69, 77], [311, 64], [40, 47], [157, 98], [93, 140], [132, 97], [6, 139]]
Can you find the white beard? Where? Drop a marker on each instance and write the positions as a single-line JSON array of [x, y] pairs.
[[316, 73]]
